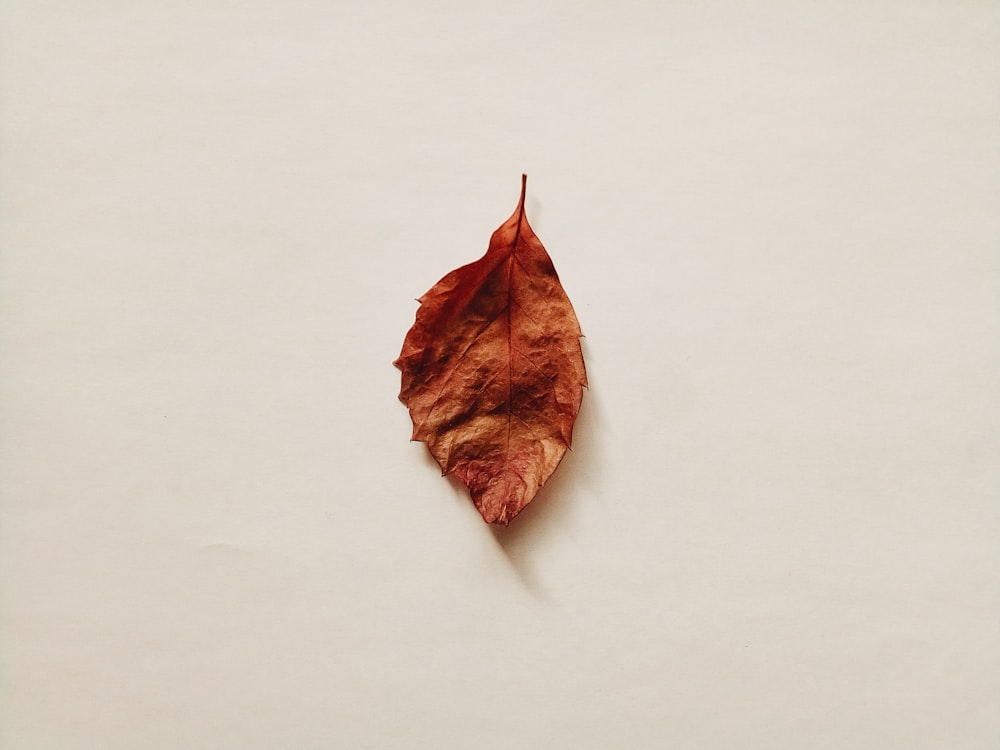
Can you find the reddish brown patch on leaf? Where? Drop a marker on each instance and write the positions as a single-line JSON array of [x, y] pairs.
[[493, 373]]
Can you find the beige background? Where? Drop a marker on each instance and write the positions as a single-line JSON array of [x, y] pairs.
[[779, 224]]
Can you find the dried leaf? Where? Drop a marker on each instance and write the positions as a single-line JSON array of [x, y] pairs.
[[493, 372]]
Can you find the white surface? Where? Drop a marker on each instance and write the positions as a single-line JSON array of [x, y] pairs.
[[780, 228]]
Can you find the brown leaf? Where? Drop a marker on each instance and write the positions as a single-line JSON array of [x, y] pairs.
[[493, 372]]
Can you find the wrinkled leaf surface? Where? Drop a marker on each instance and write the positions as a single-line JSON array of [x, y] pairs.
[[493, 373]]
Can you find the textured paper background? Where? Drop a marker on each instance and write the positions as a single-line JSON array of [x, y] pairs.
[[779, 224]]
